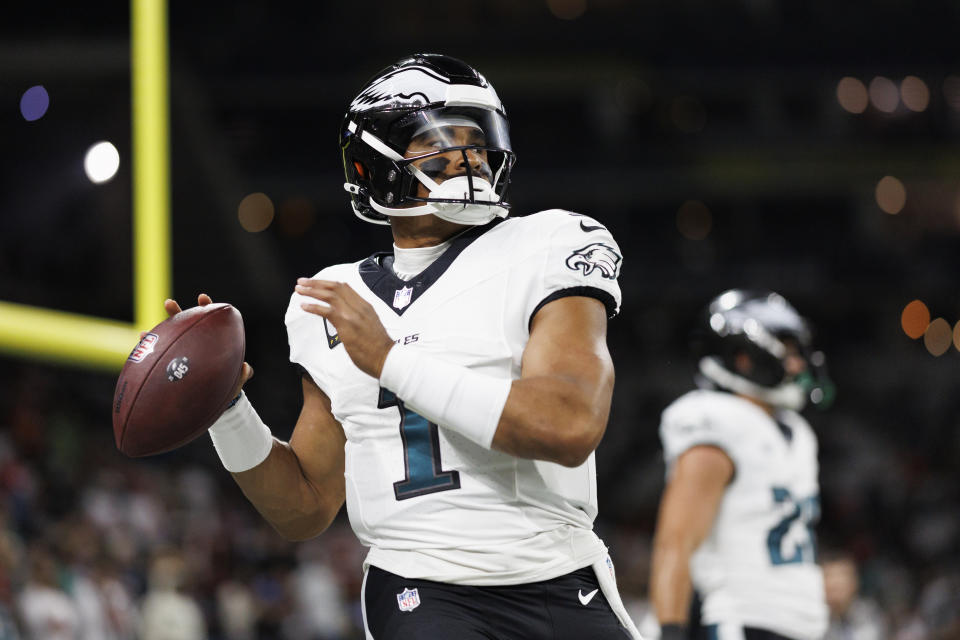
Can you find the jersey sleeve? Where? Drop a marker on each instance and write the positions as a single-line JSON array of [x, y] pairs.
[[310, 338], [581, 258], [694, 420]]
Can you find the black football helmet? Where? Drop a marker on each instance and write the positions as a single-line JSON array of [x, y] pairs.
[[419, 98], [760, 324]]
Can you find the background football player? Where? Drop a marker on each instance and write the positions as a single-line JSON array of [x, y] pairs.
[[443, 398], [737, 515]]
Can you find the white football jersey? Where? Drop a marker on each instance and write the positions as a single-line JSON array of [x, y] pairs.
[[757, 567], [428, 502]]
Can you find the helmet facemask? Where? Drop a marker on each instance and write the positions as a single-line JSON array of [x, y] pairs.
[[420, 147]]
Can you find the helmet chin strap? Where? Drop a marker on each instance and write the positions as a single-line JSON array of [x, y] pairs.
[[788, 395], [458, 188]]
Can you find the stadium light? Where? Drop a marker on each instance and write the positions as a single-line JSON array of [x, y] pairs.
[[101, 162]]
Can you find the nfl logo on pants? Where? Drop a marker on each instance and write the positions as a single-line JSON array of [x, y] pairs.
[[408, 599]]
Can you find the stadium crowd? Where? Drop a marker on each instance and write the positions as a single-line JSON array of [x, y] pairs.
[[96, 546]]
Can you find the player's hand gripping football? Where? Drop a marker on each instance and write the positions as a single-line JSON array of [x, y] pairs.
[[173, 308], [357, 324]]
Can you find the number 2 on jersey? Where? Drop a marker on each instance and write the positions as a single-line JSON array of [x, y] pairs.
[[807, 511], [421, 453]]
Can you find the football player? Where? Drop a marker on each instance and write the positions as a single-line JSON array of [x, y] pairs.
[[737, 516], [455, 387]]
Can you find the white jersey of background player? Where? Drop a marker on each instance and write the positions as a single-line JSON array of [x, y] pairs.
[[748, 536], [427, 501]]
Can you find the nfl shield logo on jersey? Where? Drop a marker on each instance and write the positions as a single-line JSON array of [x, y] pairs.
[[408, 599], [402, 297]]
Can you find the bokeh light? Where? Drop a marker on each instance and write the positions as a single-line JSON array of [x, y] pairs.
[[694, 220], [956, 336], [891, 195], [101, 162], [915, 319], [255, 212], [951, 92], [688, 114], [295, 216], [852, 95], [938, 337], [567, 9], [884, 94], [34, 103], [914, 93]]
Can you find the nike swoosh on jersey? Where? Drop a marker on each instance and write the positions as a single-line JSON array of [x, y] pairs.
[[588, 228], [585, 599]]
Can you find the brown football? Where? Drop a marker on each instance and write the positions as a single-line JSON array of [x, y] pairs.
[[178, 379]]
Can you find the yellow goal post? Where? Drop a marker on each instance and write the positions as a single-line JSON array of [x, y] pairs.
[[100, 343]]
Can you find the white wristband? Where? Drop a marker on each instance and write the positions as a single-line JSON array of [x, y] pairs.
[[449, 395], [240, 437]]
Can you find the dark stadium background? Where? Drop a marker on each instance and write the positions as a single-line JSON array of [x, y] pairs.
[[709, 137]]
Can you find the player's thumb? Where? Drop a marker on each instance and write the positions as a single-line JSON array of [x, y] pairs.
[[246, 372]]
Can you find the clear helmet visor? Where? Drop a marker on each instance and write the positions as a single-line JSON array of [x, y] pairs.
[[471, 144], [453, 125]]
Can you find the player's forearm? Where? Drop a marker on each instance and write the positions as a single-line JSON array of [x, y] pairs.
[[553, 418], [295, 507], [670, 585]]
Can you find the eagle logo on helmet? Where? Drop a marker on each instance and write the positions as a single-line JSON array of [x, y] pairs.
[[596, 257], [393, 90]]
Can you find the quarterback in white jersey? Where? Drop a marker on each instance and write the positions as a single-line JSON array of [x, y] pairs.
[[427, 500], [742, 499], [454, 388]]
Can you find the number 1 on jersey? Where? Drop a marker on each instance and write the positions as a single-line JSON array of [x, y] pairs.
[[421, 453]]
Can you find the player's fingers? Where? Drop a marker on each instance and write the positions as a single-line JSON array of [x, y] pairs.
[[171, 307], [320, 292], [246, 372], [339, 293], [203, 299], [323, 310], [323, 285]]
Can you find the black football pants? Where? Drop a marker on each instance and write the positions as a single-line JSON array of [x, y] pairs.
[[570, 607]]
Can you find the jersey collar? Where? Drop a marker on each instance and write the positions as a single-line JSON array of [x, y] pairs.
[[400, 294]]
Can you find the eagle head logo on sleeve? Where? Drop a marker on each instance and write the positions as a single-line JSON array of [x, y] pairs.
[[596, 257]]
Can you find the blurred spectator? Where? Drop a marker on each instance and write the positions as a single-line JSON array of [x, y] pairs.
[[47, 611], [8, 630], [852, 616], [320, 607], [119, 607], [167, 614], [105, 605], [236, 610], [938, 610], [272, 596]]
